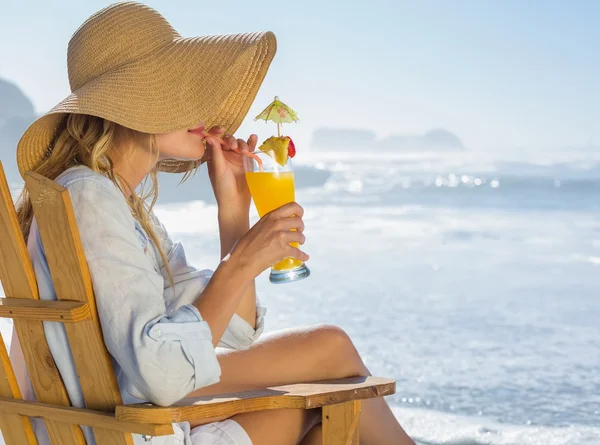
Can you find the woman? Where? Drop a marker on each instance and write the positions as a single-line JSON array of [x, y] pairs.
[[145, 100]]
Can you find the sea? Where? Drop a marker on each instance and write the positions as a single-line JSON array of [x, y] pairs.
[[471, 278]]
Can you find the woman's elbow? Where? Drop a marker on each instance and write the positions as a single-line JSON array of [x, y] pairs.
[[176, 368], [166, 390], [163, 398]]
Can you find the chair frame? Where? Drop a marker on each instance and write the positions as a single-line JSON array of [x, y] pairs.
[[113, 422]]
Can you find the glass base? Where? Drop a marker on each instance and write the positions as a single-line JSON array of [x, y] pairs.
[[287, 276]]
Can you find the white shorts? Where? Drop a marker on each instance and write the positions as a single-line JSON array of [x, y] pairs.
[[227, 432]]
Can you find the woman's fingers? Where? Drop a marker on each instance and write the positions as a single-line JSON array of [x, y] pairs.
[[216, 153], [293, 237], [289, 209], [217, 130], [294, 252], [231, 143], [237, 145], [292, 222], [252, 141], [242, 146], [246, 147]]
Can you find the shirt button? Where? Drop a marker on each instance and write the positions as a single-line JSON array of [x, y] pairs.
[[157, 333]]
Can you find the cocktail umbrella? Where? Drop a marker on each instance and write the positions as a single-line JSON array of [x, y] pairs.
[[279, 113]]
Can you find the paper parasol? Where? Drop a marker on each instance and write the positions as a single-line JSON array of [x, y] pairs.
[[279, 113]]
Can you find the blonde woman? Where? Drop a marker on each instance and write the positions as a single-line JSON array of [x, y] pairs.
[[143, 100]]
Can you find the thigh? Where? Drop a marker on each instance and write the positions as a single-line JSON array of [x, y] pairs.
[[285, 357], [278, 426], [227, 432], [313, 437]]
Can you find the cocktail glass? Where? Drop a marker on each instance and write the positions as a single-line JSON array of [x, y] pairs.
[[271, 186]]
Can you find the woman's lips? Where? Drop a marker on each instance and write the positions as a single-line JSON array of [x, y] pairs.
[[200, 130]]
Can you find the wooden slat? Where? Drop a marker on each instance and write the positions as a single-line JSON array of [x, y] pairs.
[[340, 423], [44, 310], [18, 280], [303, 396], [88, 417], [70, 275], [16, 430]]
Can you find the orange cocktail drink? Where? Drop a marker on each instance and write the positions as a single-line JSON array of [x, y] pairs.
[[271, 190], [270, 179]]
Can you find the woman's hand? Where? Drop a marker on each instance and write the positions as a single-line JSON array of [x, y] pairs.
[[268, 241], [226, 168]]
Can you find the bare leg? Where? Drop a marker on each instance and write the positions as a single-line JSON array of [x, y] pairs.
[[302, 355], [279, 426], [314, 436]]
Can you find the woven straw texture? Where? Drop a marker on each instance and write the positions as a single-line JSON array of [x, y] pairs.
[[128, 65]]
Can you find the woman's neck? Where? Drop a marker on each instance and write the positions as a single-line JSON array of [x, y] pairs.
[[134, 167]]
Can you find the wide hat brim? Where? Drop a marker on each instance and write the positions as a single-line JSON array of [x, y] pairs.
[[213, 79]]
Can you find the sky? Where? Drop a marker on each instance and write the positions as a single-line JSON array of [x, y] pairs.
[[499, 73]]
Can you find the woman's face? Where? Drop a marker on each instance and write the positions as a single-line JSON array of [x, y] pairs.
[[186, 144]]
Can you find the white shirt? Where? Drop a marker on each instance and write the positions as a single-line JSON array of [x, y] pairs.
[[161, 347]]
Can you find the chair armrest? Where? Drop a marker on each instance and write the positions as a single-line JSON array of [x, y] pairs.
[[27, 309], [80, 416], [301, 395]]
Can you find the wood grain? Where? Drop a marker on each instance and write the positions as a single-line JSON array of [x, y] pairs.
[[18, 280], [16, 430], [70, 275], [302, 396], [88, 417], [340, 423], [44, 310]]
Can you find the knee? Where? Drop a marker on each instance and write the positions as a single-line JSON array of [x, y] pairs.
[[333, 337], [339, 351]]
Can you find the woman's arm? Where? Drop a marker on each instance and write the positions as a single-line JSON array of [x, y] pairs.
[[266, 243], [262, 246], [189, 283], [228, 179], [228, 280], [232, 226]]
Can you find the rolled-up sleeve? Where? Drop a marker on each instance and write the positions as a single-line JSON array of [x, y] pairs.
[[164, 354], [239, 334], [189, 283]]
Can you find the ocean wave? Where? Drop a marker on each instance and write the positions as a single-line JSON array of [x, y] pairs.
[[516, 162], [574, 169], [430, 427], [499, 184]]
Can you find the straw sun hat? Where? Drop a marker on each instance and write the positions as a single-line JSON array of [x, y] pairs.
[[128, 65]]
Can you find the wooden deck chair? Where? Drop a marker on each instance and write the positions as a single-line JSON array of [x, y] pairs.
[[112, 422]]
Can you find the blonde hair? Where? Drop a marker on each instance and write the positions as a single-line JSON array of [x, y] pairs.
[[96, 143]]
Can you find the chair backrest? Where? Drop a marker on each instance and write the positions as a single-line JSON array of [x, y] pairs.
[[70, 275]]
